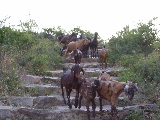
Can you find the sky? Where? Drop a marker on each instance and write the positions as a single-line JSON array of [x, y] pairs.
[[103, 16]]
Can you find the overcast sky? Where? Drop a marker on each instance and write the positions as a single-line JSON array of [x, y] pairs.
[[103, 16]]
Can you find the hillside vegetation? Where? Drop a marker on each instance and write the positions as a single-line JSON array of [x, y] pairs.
[[24, 51]]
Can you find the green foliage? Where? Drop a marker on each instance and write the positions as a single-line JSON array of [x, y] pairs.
[[143, 114], [29, 26], [78, 30], [146, 69], [129, 60], [136, 114], [2, 22], [136, 41], [9, 70], [146, 73], [40, 57], [84, 33], [24, 52], [48, 32], [9, 81], [157, 46], [16, 38]]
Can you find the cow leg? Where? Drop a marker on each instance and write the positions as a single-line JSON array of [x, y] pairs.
[[114, 112], [76, 98], [97, 52], [91, 53], [113, 106], [93, 108], [100, 63], [78, 60], [68, 91], [100, 104], [88, 111], [105, 63], [80, 101], [63, 94], [66, 52], [75, 59], [87, 56]]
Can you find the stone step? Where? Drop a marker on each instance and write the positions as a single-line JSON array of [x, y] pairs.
[[31, 79], [83, 60], [83, 64], [55, 81], [49, 102], [41, 89], [90, 72], [63, 113], [86, 67]]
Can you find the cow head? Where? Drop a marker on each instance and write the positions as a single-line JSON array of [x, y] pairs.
[[130, 88]]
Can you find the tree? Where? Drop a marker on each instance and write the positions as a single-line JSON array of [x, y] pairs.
[[135, 41], [28, 26]]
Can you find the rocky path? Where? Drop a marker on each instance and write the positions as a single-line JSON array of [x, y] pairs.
[[42, 98]]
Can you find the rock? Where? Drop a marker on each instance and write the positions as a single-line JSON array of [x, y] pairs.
[[39, 90], [54, 81], [62, 113], [47, 102], [31, 79], [21, 101]]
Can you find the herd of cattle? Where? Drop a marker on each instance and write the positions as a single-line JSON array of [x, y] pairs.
[[103, 86], [79, 47]]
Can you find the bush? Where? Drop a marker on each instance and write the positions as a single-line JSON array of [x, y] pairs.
[[9, 70], [21, 40], [9, 82], [144, 69], [143, 114], [148, 68], [146, 73], [136, 114], [129, 60], [24, 53], [40, 57]]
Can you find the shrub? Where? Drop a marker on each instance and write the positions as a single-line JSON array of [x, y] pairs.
[[129, 60], [143, 114], [144, 69], [21, 40], [146, 73], [136, 114], [40, 57], [9, 70], [148, 68]]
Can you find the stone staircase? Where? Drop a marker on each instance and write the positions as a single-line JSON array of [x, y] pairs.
[[42, 98]]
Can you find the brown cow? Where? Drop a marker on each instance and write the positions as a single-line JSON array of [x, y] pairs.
[[94, 45], [77, 54], [104, 76], [103, 57], [110, 90], [70, 80], [76, 45], [67, 38], [88, 92]]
